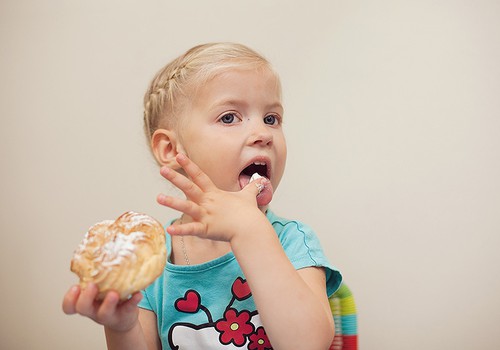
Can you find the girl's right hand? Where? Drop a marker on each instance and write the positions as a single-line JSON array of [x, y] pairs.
[[110, 312]]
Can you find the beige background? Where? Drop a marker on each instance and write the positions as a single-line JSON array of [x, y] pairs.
[[393, 123]]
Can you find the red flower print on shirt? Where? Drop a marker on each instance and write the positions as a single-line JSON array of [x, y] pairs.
[[234, 327], [259, 340]]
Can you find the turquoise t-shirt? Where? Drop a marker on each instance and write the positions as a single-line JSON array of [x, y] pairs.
[[210, 306]]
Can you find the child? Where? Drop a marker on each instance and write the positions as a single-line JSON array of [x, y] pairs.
[[238, 276]]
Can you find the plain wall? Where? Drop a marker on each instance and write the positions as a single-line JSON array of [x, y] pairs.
[[393, 125]]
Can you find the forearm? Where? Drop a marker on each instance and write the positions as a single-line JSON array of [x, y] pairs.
[[284, 300], [132, 339]]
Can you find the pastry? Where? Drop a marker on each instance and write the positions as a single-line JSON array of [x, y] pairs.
[[125, 255]]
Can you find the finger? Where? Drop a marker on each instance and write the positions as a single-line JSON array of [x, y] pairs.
[[132, 303], [135, 299], [108, 307], [187, 207], [85, 303], [179, 204], [257, 186], [190, 189], [70, 298], [195, 173], [188, 229]]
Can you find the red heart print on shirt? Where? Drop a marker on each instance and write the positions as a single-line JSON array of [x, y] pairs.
[[190, 303], [240, 289]]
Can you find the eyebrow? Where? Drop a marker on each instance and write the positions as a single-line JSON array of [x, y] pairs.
[[275, 105], [234, 102]]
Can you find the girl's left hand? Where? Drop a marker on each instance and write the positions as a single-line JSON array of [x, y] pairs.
[[217, 215]]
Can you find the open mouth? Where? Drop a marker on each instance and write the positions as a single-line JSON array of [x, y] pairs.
[[262, 168], [257, 167]]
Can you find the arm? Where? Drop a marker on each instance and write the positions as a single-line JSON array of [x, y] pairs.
[[143, 333], [287, 299], [126, 326], [295, 298]]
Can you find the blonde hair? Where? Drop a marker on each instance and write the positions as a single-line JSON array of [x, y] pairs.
[[172, 85]]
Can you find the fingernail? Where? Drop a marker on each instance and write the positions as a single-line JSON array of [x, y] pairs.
[[260, 187], [165, 170], [113, 297]]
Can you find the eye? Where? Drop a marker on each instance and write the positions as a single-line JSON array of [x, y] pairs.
[[229, 118], [271, 119]]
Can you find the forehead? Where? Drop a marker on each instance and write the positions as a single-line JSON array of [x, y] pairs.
[[262, 82], [240, 88]]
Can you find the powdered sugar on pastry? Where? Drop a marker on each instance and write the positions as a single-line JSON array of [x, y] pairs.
[[122, 247], [125, 255]]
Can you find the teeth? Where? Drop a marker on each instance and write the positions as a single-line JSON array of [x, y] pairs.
[[259, 163]]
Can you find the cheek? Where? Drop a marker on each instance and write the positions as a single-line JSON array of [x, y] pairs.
[[216, 167], [282, 151], [280, 164]]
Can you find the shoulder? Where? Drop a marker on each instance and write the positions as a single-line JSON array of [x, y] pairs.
[[295, 236], [286, 227], [304, 249]]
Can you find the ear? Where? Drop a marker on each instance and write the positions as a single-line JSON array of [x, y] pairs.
[[165, 145]]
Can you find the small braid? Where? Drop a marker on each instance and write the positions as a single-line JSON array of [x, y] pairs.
[[159, 99]]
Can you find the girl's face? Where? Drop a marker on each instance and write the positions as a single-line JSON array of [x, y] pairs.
[[233, 129]]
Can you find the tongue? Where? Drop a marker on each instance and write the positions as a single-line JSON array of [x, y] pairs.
[[265, 196]]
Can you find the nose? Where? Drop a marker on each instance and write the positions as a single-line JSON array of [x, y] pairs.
[[261, 134]]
